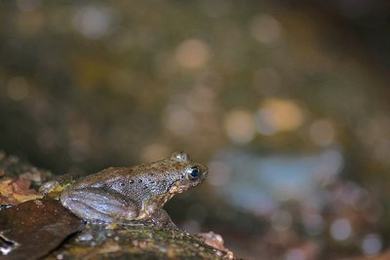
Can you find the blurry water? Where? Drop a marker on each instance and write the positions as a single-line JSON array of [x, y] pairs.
[[257, 183]]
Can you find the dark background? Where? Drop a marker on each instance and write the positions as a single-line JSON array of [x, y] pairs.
[[286, 101]]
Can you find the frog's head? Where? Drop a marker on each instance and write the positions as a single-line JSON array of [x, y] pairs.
[[170, 176], [189, 173]]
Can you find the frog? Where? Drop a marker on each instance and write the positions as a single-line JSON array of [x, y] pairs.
[[120, 195]]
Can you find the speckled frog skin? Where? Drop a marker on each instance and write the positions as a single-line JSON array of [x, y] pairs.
[[121, 194]]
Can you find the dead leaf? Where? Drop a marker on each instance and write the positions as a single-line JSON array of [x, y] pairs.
[[33, 229], [15, 191]]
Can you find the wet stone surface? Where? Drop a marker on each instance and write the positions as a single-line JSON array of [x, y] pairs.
[[139, 242]]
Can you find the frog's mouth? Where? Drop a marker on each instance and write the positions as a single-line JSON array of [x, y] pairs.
[[177, 188]]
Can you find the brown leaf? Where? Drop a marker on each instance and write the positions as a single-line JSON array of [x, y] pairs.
[[33, 229], [15, 191]]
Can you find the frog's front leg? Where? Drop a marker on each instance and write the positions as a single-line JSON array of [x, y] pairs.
[[160, 218], [95, 204]]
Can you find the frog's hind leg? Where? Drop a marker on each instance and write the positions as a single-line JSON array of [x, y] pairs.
[[94, 205]]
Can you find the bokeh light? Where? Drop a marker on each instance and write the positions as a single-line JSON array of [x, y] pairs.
[[93, 22], [239, 126], [192, 54], [277, 115], [266, 29], [371, 244], [341, 229]]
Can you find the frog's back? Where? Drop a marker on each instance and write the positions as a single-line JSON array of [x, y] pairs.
[[105, 176]]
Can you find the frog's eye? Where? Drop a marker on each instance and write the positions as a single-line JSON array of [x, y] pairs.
[[180, 157], [193, 173]]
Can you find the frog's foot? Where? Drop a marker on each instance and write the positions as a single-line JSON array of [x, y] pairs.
[[48, 187], [94, 206], [161, 219]]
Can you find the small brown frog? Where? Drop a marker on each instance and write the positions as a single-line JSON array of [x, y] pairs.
[[122, 194]]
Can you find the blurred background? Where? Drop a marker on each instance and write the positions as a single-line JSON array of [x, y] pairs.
[[286, 101]]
